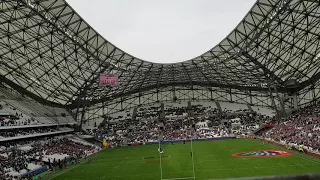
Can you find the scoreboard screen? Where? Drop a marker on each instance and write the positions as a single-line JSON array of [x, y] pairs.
[[107, 80]]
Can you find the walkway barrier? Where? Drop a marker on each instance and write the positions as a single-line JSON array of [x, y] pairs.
[[35, 172], [181, 140]]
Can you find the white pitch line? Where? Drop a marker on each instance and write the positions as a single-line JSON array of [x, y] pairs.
[[224, 169], [72, 167], [119, 164], [256, 167], [58, 174], [311, 160], [103, 177]]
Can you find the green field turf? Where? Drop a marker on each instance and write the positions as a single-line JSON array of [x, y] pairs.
[[212, 160]]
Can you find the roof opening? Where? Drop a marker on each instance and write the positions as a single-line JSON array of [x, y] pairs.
[[163, 31]]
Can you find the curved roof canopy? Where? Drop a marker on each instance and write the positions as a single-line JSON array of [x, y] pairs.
[[49, 52]]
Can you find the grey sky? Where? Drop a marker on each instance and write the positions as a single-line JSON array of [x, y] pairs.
[[163, 31]]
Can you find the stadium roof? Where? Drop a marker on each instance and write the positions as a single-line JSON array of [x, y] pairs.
[[51, 54]]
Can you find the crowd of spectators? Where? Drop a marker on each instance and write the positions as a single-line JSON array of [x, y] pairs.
[[6, 133], [14, 121], [10, 116], [148, 131], [15, 161], [61, 146], [180, 123], [301, 129]]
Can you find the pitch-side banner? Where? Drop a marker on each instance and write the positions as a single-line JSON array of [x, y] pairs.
[[107, 80]]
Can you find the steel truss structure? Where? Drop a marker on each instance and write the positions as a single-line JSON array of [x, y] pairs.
[[49, 53], [180, 94]]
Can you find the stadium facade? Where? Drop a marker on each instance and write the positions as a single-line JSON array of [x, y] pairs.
[[49, 53]]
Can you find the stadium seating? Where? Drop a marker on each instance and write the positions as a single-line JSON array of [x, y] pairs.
[[30, 132], [179, 123], [301, 129], [232, 107], [29, 112], [24, 123], [19, 158], [10, 116]]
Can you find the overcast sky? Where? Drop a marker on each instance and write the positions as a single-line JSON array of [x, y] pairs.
[[164, 31]]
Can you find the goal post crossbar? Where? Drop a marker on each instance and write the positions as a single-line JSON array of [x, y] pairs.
[[179, 178]]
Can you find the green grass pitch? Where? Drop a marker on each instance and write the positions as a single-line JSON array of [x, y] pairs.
[[212, 160]]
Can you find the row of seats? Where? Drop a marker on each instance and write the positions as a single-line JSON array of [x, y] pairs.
[[23, 132], [16, 110], [301, 129], [177, 124], [177, 110], [32, 154]]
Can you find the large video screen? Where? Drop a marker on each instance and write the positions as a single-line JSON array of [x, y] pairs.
[[107, 80]]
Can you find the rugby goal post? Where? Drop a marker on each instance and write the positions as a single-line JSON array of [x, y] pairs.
[[160, 160]]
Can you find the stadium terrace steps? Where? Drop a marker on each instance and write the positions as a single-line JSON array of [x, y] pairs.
[[35, 135], [82, 141], [232, 107], [27, 126], [25, 109], [20, 107], [5, 94], [151, 112], [174, 110], [31, 167], [44, 114]]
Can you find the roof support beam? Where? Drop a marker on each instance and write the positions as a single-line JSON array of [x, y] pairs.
[[23, 91], [265, 69], [308, 82], [94, 77], [146, 88], [82, 46]]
